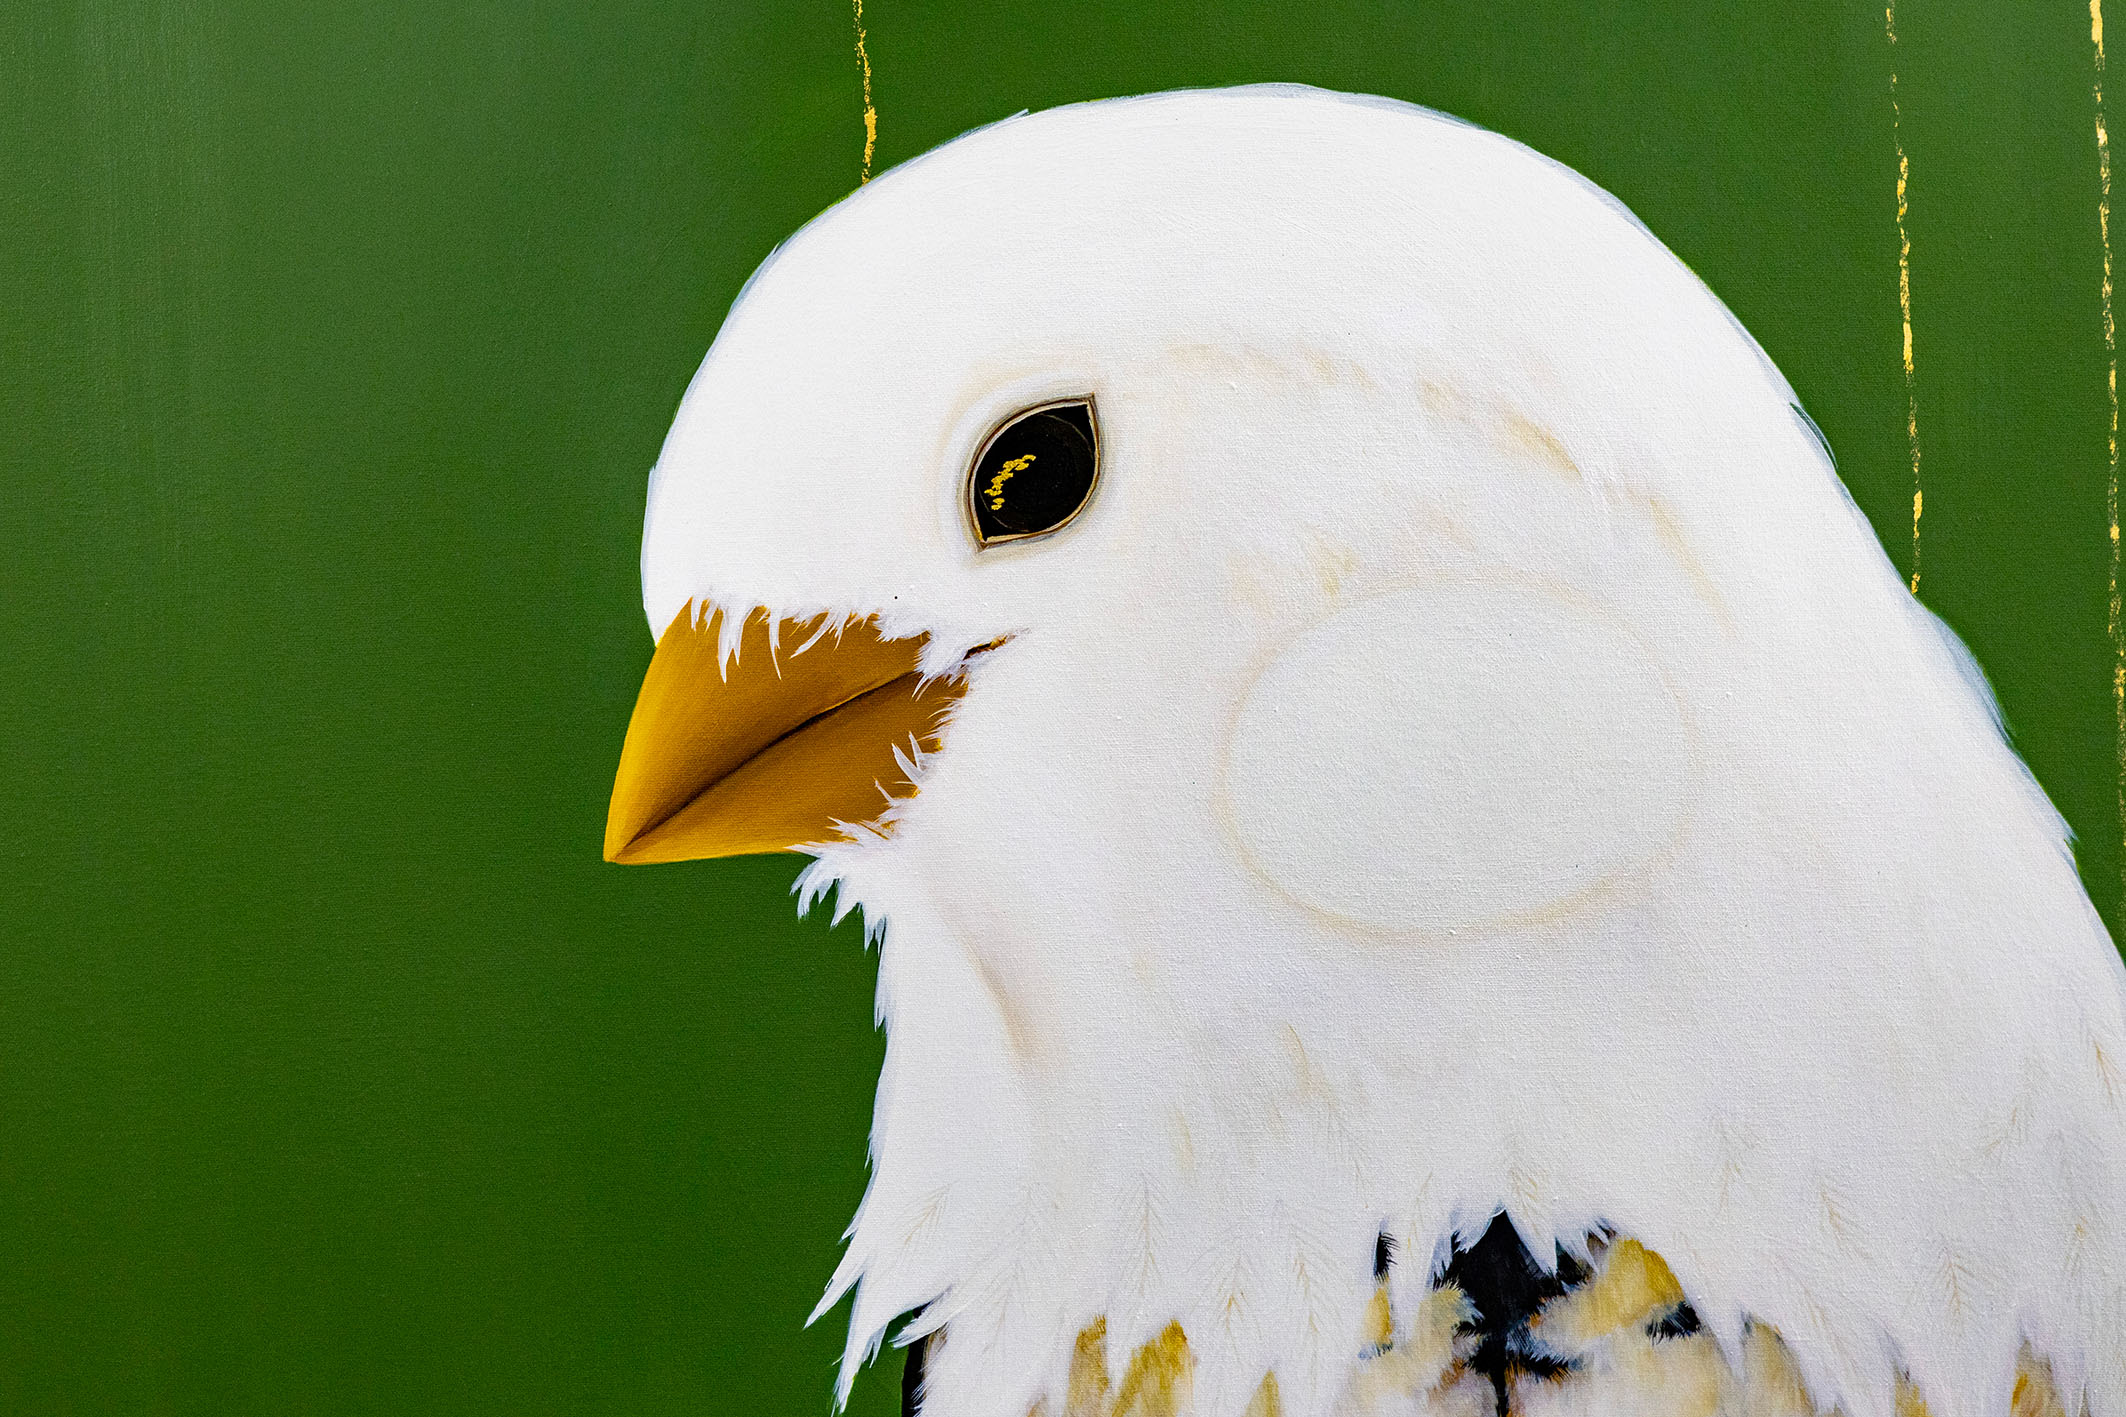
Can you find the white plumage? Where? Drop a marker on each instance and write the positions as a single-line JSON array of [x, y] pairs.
[[1469, 753]]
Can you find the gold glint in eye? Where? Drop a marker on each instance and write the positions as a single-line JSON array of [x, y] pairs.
[[1035, 473]]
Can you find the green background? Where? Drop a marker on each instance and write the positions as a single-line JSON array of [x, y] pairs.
[[337, 1074]]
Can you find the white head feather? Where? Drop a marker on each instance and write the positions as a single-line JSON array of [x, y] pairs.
[[1469, 753]]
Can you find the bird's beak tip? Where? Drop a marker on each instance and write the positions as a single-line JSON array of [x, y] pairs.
[[772, 750]]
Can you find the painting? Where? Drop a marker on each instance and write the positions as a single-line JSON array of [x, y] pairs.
[[1393, 710]]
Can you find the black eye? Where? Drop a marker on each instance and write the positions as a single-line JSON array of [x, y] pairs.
[[1035, 472]]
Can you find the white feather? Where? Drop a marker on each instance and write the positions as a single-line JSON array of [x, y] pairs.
[[1845, 1047]]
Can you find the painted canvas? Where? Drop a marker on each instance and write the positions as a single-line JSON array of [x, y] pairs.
[[1422, 855], [1392, 710]]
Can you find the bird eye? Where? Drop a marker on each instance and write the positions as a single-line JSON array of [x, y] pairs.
[[1035, 473]]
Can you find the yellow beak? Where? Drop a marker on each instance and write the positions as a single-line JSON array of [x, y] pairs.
[[777, 749]]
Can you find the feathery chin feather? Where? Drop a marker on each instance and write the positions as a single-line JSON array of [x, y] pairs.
[[1241, 1196]]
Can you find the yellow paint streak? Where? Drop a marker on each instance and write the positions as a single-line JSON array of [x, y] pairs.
[[2115, 622], [1332, 563], [1419, 1359], [1771, 1379], [995, 490], [1380, 1318], [1087, 1394], [1266, 1402], [863, 60], [1632, 1288], [1157, 1382], [1904, 291], [1184, 1142], [1909, 1401], [1019, 1029], [1670, 533], [1534, 438], [2036, 1394]]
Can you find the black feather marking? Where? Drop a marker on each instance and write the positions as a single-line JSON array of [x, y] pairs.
[[1383, 1255], [912, 1376], [1679, 1322], [1506, 1287]]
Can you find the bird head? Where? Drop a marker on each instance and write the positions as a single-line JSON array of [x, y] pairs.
[[1352, 698]]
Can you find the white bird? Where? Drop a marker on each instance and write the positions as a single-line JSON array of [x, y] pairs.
[[1423, 858]]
